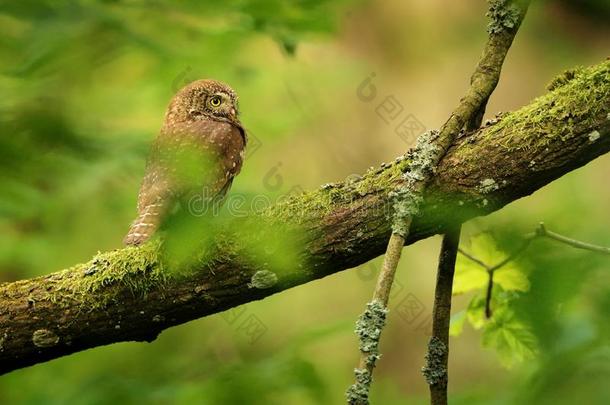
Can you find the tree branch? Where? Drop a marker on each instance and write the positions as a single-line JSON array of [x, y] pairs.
[[506, 17], [131, 295], [541, 231], [436, 370]]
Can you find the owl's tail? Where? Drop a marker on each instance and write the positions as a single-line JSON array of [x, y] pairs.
[[145, 225]]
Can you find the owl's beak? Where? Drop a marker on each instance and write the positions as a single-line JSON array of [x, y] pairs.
[[233, 113]]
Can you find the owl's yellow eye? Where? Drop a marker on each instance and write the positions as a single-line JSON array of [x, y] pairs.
[[215, 101]]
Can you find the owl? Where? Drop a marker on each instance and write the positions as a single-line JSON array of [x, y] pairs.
[[198, 152]]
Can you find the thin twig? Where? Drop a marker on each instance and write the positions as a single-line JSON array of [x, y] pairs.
[[512, 256], [474, 259], [541, 231], [436, 368], [488, 292]]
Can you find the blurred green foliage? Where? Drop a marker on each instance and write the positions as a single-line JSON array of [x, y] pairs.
[[84, 85]]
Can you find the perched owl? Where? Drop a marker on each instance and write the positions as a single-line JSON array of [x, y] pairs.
[[199, 150]]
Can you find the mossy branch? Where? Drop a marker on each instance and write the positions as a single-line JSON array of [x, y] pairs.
[[131, 294]]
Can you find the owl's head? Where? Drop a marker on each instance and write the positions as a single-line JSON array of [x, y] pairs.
[[204, 99]]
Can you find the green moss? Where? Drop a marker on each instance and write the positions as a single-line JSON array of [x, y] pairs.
[[576, 104], [562, 79], [314, 204], [98, 282], [381, 179]]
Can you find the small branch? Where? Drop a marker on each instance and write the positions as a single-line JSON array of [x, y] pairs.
[[436, 369], [474, 259], [541, 231], [488, 292], [512, 256], [371, 323]]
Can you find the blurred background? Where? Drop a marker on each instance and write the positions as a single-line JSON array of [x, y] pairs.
[[84, 87]]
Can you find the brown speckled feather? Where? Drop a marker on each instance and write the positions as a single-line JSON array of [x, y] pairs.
[[196, 153]]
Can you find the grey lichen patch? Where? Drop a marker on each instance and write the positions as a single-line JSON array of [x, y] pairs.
[[97, 283], [368, 330], [407, 198], [263, 279], [594, 136], [158, 318], [435, 371], [487, 186], [504, 14], [358, 393], [3, 340], [45, 338]]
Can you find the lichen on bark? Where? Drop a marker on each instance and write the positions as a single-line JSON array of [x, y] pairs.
[[368, 329], [263, 279], [434, 371], [406, 198], [504, 14]]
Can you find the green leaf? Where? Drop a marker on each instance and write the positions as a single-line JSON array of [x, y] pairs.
[[512, 278], [512, 340], [484, 248], [476, 311], [470, 275]]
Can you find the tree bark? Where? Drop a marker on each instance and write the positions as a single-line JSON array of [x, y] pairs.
[[132, 294]]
